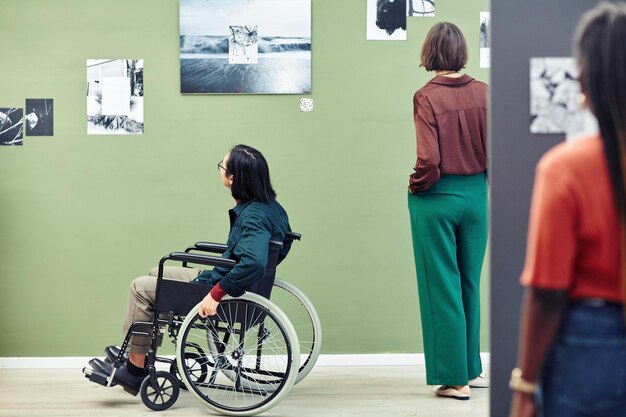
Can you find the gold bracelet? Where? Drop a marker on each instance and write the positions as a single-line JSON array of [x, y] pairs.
[[517, 383]]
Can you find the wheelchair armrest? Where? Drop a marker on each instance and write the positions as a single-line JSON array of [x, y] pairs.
[[208, 247], [293, 236], [196, 258]]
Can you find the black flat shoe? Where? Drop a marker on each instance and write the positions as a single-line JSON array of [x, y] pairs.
[[128, 381]]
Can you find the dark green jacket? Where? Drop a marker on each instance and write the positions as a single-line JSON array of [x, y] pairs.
[[252, 225]]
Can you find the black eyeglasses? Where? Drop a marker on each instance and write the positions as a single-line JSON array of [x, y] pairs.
[[220, 166]]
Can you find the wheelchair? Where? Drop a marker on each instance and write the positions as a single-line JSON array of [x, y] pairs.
[[240, 362]]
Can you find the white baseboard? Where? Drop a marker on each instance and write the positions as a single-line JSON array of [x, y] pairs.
[[390, 359]]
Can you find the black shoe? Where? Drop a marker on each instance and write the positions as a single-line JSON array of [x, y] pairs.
[[112, 352], [128, 381]]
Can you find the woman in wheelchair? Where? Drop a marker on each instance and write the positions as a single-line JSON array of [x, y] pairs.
[[256, 219]]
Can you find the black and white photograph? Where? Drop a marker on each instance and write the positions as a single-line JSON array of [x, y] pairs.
[[11, 126], [420, 8], [306, 105], [115, 97], [485, 39], [554, 90], [386, 20], [245, 46], [39, 119]]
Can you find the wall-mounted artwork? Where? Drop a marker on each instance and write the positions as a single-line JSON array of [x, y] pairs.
[[39, 117], [245, 46], [554, 88], [386, 20], [11, 126], [420, 8], [306, 104], [115, 97], [485, 39]]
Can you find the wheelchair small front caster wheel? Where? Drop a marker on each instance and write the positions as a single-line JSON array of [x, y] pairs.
[[161, 394]]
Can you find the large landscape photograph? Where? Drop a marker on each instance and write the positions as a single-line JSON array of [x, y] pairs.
[[245, 46]]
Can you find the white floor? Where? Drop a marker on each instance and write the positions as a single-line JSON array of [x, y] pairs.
[[381, 391]]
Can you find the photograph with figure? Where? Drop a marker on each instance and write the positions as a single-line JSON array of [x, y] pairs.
[[554, 88], [11, 126], [115, 97], [420, 8], [245, 46], [386, 20], [39, 117], [485, 39]]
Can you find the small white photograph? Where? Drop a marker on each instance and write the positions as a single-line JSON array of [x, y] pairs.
[[386, 20], [554, 90], [485, 40], [306, 104], [420, 8], [243, 45], [115, 97]]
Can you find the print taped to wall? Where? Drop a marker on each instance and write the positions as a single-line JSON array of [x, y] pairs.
[[39, 117], [114, 97], [420, 8], [386, 20], [554, 89], [485, 39], [245, 46], [11, 126]]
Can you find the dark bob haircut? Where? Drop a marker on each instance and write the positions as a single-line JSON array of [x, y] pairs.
[[444, 49], [251, 175]]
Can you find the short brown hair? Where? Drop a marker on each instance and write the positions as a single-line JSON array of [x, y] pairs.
[[444, 49]]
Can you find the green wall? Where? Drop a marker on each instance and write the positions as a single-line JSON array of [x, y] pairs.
[[80, 216]]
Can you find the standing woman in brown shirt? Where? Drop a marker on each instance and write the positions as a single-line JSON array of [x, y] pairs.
[[448, 210]]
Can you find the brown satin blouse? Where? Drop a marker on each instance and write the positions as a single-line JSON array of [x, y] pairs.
[[450, 117]]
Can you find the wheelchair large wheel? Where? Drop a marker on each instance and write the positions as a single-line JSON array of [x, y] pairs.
[[254, 355], [296, 305]]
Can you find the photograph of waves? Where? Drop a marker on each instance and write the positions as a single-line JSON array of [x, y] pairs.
[[245, 46]]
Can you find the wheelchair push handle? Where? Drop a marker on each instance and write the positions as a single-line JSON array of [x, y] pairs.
[[293, 236], [208, 247]]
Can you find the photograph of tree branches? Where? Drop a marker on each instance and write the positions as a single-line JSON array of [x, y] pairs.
[[11, 126]]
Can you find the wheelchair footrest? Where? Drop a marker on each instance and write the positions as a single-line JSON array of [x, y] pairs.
[[95, 376]]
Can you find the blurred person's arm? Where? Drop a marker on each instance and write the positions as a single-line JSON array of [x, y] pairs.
[[548, 271], [541, 315]]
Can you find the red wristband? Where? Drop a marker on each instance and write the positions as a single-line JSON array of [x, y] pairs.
[[217, 292]]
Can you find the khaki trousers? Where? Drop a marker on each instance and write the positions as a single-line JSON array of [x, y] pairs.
[[141, 297]]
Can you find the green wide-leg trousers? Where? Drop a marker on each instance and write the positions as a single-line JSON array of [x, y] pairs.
[[449, 225]]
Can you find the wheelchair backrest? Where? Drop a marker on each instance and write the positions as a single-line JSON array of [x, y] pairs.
[[263, 287]]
